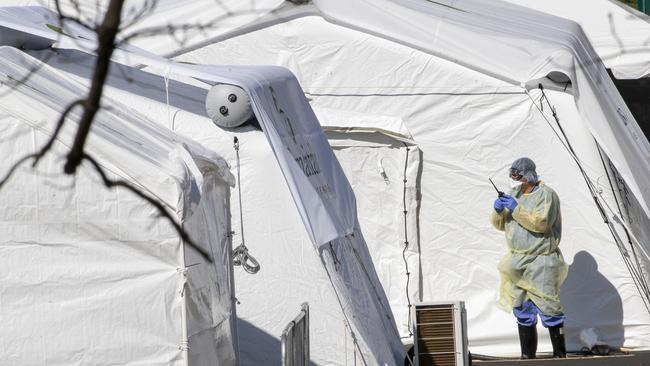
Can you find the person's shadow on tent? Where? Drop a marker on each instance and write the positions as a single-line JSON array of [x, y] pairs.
[[591, 301]]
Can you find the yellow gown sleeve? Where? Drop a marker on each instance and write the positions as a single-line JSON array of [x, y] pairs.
[[498, 220], [541, 218]]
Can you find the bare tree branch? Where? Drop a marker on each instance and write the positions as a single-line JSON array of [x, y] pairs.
[[55, 134], [153, 201], [15, 167], [106, 34]]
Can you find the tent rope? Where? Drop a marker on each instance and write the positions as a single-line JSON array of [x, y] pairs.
[[240, 254], [628, 234], [406, 244], [635, 273]]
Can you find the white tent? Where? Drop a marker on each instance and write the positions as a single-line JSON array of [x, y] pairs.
[[92, 275], [460, 80], [324, 198], [455, 81], [619, 34]]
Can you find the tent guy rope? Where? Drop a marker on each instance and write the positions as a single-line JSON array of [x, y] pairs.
[[635, 272], [240, 254]]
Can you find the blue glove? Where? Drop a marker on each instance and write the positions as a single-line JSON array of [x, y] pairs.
[[498, 205], [508, 202]]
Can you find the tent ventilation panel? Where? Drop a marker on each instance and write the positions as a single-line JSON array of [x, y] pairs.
[[440, 330]]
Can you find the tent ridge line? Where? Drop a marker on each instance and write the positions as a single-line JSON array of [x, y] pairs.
[[272, 18]]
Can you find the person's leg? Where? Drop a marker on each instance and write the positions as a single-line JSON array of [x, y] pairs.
[[526, 321], [555, 325]]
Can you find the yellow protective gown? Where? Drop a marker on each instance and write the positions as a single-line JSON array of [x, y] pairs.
[[534, 267]]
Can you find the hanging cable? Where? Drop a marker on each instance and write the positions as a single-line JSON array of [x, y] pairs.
[[240, 254], [406, 243], [635, 273]]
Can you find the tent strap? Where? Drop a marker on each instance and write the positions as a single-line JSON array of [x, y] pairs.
[[240, 254]]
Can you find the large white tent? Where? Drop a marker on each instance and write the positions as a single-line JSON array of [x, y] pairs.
[[453, 83], [459, 79], [95, 276]]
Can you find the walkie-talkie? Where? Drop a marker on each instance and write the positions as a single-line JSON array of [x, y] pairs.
[[500, 193]]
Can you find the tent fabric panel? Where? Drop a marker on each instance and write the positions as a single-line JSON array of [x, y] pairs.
[[618, 33], [351, 271], [377, 175], [335, 120], [81, 285], [209, 291], [636, 233], [315, 50]]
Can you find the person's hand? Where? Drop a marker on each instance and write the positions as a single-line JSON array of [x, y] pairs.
[[498, 205], [508, 202]]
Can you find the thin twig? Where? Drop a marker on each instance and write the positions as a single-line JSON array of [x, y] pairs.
[[55, 134], [171, 29], [63, 18], [137, 15], [14, 167]]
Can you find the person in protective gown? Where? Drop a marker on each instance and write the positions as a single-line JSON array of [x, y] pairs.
[[533, 269]]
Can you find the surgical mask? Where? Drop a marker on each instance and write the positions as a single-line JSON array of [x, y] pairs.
[[515, 184]]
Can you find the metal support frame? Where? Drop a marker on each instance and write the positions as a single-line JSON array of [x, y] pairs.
[[295, 339]]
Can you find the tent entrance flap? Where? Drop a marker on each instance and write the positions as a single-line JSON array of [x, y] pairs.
[[387, 166]]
